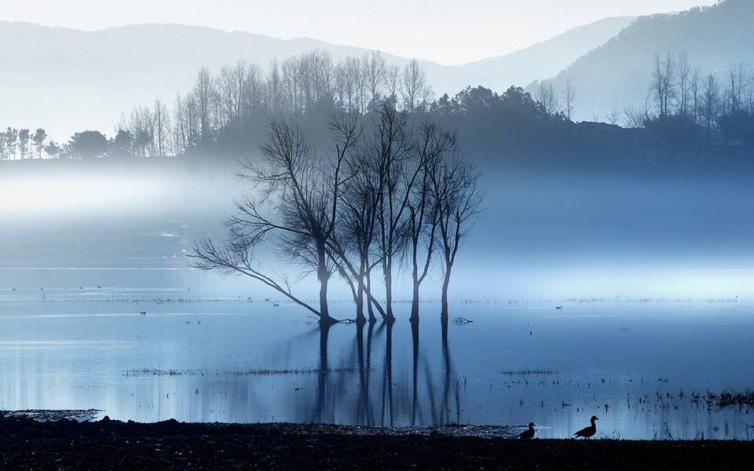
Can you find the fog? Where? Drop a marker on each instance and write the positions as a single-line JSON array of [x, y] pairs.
[[539, 235]]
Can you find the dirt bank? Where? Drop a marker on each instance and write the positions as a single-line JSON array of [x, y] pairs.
[[28, 444]]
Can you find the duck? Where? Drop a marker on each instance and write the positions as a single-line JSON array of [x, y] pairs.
[[527, 434], [590, 431]]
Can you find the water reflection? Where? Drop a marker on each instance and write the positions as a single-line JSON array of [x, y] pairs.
[[220, 363], [431, 400]]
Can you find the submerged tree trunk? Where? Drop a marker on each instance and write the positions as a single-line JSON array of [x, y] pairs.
[[323, 275], [415, 302], [444, 300], [389, 294], [415, 280], [370, 305], [323, 308], [360, 319]]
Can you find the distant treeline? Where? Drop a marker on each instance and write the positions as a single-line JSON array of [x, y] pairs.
[[687, 111]]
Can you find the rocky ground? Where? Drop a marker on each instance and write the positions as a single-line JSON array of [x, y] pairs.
[[65, 444]]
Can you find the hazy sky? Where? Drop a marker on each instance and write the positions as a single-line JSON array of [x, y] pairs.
[[447, 31]]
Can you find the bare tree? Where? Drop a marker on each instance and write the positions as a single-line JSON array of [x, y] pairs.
[[734, 94], [373, 65], [299, 206], [161, 130], [349, 85], [414, 88], [546, 96], [275, 89], [711, 103], [696, 97], [392, 150], [393, 82], [141, 125], [635, 117], [684, 84], [457, 200], [569, 98], [423, 215], [663, 80], [231, 84], [204, 95], [358, 229], [182, 126]]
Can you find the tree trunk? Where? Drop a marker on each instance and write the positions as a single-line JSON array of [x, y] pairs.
[[370, 307], [445, 285], [324, 312], [389, 295], [323, 275], [415, 280], [360, 319], [415, 303]]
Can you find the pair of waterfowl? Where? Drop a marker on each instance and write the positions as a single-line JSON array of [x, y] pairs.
[[586, 432]]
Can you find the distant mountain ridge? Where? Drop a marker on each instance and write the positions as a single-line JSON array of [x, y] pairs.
[[67, 80], [545, 59], [617, 74]]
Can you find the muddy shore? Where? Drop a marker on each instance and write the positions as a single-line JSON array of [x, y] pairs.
[[107, 444]]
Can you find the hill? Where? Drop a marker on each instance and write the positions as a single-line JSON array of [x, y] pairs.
[[68, 80], [544, 59], [618, 73]]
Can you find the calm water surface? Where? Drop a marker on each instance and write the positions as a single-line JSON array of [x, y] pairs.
[[635, 365]]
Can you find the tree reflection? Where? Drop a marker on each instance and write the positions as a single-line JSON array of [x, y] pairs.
[[346, 394]]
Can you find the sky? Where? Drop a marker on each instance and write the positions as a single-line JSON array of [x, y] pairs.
[[446, 31]]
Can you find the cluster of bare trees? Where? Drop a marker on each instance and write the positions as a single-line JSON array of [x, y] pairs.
[[556, 102], [680, 90], [388, 194], [146, 132], [243, 95]]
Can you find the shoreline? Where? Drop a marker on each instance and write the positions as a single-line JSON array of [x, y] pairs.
[[109, 444]]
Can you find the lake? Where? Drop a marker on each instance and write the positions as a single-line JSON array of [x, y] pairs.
[[645, 367]]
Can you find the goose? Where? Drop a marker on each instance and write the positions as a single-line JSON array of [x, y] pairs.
[[588, 432], [527, 434]]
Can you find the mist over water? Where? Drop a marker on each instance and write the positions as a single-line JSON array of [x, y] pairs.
[[539, 235], [652, 273]]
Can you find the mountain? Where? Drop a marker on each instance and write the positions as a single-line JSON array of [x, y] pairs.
[[617, 75], [541, 60], [68, 80]]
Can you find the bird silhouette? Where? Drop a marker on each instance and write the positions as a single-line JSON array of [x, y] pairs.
[[588, 432], [527, 434]]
